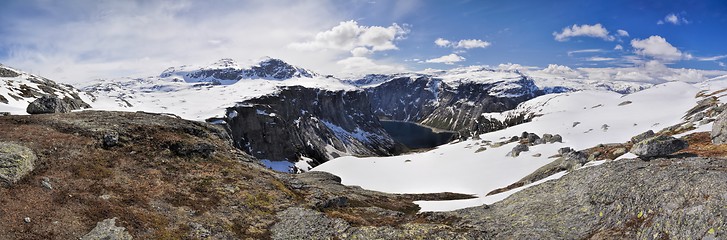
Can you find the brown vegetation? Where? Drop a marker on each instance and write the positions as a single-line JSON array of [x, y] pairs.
[[166, 178], [700, 144]]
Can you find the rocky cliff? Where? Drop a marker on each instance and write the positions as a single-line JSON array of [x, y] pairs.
[[305, 122], [445, 105]]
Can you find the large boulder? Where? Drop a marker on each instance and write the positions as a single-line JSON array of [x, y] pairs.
[[719, 129], [643, 136], [658, 146], [16, 161], [48, 104], [518, 149], [572, 160]]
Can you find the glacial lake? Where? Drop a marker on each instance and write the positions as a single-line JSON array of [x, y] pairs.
[[416, 136]]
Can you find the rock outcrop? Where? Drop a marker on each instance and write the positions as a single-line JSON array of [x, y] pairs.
[[518, 149], [626, 199], [719, 129], [658, 146], [16, 161], [107, 230], [643, 136], [312, 123]]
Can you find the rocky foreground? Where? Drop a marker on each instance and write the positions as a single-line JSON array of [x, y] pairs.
[[95, 175]]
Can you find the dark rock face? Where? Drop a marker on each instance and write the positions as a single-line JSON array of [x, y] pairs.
[[658, 146], [48, 104], [9, 73], [314, 123], [434, 103], [405, 99]]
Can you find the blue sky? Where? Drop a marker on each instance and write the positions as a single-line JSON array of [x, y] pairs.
[[79, 40]]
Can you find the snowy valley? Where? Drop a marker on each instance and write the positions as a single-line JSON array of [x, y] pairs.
[[502, 131], [294, 118]]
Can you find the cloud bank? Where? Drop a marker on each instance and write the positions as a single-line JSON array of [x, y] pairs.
[[673, 19], [585, 30], [658, 48], [462, 44], [447, 59]]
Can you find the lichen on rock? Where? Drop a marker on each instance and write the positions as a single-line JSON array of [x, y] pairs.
[[16, 161]]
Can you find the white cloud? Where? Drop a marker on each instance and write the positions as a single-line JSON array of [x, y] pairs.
[[350, 35], [358, 66], [561, 70], [447, 59], [462, 44], [673, 19], [618, 47], [107, 39], [585, 30], [595, 50], [599, 59], [721, 64], [361, 52], [713, 58], [472, 43], [514, 66], [658, 48], [653, 71], [622, 33], [442, 42]]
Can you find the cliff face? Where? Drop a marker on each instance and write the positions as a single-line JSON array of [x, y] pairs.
[[435, 103], [406, 99], [308, 122]]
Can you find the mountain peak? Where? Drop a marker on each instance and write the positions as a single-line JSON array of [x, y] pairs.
[[273, 68], [225, 63], [228, 71]]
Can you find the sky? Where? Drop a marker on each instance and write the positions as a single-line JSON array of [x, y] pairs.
[[80, 40]]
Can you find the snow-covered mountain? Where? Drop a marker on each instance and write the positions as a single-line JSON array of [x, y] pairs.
[[18, 89], [267, 105], [199, 93], [228, 71], [274, 110]]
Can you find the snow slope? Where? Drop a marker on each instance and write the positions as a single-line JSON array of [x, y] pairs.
[[18, 89], [458, 168]]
